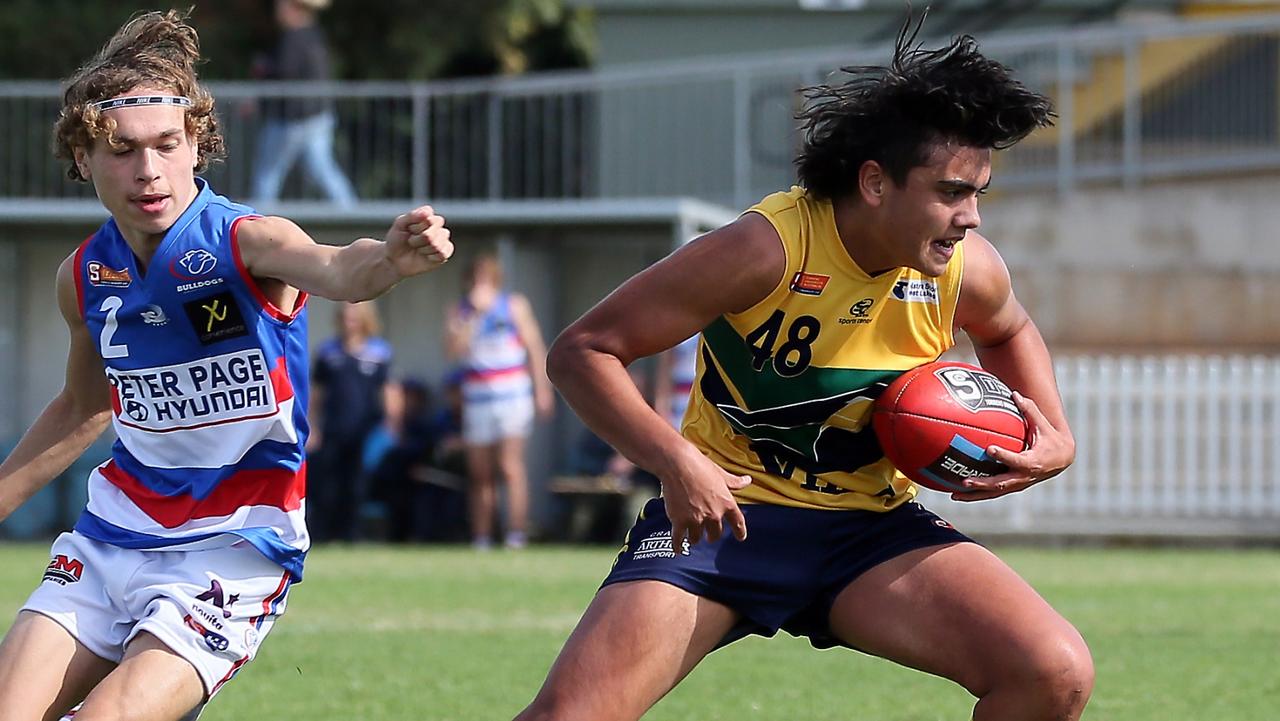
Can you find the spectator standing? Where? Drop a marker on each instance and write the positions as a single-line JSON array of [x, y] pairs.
[[494, 335], [296, 127], [347, 396]]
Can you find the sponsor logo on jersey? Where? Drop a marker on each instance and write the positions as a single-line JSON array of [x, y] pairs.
[[63, 570], [658, 545], [859, 313], [216, 318], [228, 387], [916, 291], [216, 597], [154, 315], [809, 283], [207, 617], [977, 390], [100, 274], [193, 263], [198, 284], [215, 642], [138, 412]]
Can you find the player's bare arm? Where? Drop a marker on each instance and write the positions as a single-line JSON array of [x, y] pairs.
[[277, 248], [648, 314], [1009, 344], [71, 422], [531, 335]]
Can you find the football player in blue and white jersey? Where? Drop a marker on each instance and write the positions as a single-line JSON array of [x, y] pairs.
[[188, 334]]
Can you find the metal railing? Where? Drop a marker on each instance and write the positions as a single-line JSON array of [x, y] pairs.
[[1166, 446], [1136, 102]]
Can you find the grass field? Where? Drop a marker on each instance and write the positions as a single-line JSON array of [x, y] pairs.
[[379, 633]]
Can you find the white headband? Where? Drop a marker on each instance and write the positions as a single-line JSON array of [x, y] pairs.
[[131, 100]]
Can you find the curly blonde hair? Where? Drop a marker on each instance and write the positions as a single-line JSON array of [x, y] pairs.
[[153, 49]]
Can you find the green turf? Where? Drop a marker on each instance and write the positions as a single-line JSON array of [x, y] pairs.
[[428, 633]]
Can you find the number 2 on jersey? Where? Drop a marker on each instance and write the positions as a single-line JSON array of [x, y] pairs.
[[110, 305], [795, 354]]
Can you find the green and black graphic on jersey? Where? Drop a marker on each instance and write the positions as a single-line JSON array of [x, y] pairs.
[[786, 417]]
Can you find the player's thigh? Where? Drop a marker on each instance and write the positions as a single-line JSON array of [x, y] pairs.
[[152, 683], [634, 643], [44, 671], [959, 612]]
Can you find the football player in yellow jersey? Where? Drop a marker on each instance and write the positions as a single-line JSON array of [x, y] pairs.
[[890, 171]]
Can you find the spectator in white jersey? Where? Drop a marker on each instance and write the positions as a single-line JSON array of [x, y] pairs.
[[187, 324], [494, 336]]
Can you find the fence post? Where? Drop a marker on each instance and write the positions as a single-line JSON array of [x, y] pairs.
[[1132, 142], [495, 145], [421, 163]]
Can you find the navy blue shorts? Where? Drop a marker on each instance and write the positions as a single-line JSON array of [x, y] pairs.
[[788, 572]]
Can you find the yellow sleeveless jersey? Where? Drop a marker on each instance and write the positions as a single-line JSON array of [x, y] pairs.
[[784, 390]]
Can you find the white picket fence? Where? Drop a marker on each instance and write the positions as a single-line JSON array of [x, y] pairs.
[[1166, 446]]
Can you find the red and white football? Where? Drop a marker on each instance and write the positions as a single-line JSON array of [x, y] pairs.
[[936, 421]]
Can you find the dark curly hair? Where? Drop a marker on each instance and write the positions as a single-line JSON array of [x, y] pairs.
[[153, 49], [894, 114]]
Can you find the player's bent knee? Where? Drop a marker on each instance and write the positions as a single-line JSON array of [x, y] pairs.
[[1060, 676], [1073, 683]]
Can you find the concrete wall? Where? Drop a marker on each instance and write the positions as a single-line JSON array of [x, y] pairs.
[[1180, 266]]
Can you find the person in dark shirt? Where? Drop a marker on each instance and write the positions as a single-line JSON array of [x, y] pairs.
[[416, 465], [346, 386], [294, 127]]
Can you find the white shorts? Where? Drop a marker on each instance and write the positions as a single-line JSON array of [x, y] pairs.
[[211, 607], [487, 422]]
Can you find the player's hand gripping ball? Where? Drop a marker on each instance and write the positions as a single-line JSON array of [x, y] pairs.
[[936, 421]]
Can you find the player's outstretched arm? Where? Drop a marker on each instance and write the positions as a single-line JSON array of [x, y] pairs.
[[651, 312], [1009, 345], [272, 247], [72, 420]]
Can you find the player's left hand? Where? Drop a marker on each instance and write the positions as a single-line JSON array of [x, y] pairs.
[[1049, 452], [418, 241]]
